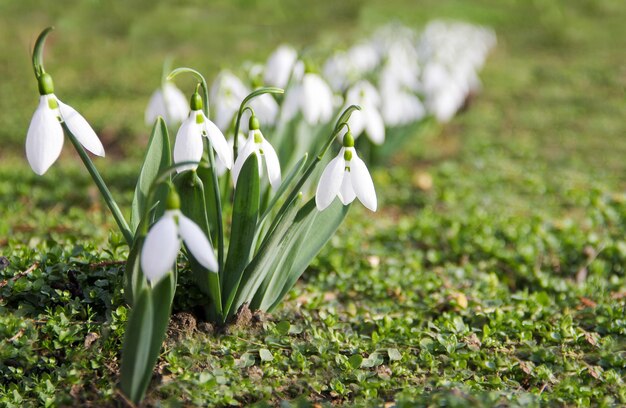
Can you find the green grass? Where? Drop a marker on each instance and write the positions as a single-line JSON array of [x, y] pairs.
[[502, 283]]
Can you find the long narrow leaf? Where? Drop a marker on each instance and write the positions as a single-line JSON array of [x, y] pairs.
[[257, 269], [136, 348], [157, 157], [244, 224]]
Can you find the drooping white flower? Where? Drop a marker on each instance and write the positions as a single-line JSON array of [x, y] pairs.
[[313, 97], [368, 119], [346, 177], [256, 144], [280, 66], [169, 102], [189, 145], [162, 245], [227, 92], [44, 139]]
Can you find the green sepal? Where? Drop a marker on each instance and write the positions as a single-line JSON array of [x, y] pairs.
[[157, 158], [244, 223], [136, 347]]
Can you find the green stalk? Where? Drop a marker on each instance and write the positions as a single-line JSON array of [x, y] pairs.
[[216, 187], [104, 190], [242, 108]]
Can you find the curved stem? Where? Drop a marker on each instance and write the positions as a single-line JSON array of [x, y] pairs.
[[104, 190], [216, 187], [243, 106]]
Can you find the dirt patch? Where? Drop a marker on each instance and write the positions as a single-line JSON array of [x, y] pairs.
[[246, 320], [181, 326]]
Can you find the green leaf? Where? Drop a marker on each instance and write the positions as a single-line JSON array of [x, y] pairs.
[[136, 349], [295, 170], [310, 231], [162, 297], [157, 157], [355, 361], [270, 249], [265, 355], [134, 280], [244, 224]]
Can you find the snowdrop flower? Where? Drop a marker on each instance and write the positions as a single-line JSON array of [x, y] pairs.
[[256, 144], [44, 139], [227, 92], [280, 66], [313, 97], [346, 176], [189, 145], [162, 243], [168, 102], [368, 119]]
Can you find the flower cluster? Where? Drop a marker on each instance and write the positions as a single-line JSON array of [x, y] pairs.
[[377, 88]]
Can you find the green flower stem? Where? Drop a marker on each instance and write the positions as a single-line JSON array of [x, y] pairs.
[[243, 106], [104, 190], [216, 186]]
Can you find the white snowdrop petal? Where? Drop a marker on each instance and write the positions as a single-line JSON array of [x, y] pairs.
[[176, 104], [346, 191], [81, 129], [330, 182], [362, 183], [272, 163], [44, 139], [248, 148], [197, 243], [160, 249], [219, 143], [188, 145], [375, 127], [156, 107]]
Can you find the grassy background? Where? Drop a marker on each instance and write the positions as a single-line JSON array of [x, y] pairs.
[[502, 281]]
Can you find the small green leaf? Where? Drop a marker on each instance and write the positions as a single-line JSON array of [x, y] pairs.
[[394, 354], [265, 355], [355, 361]]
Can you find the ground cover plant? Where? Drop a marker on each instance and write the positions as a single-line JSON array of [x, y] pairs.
[[492, 274]]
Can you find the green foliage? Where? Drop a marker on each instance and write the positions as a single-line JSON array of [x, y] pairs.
[[495, 267]]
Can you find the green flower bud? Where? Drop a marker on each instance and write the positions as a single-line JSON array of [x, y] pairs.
[[173, 200], [348, 140], [253, 124], [46, 86], [196, 101]]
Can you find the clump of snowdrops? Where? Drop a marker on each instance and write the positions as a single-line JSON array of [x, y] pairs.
[[378, 88]]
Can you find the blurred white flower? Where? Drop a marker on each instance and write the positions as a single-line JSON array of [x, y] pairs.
[[368, 119], [168, 102], [162, 245], [227, 93], [347, 177], [313, 97], [256, 144], [44, 139], [280, 66]]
